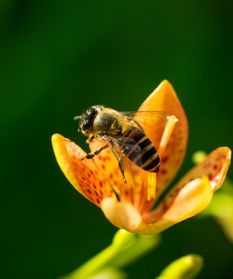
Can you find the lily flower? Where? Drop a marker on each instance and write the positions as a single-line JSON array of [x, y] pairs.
[[143, 204]]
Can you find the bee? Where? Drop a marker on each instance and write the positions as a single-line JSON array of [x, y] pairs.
[[122, 134]]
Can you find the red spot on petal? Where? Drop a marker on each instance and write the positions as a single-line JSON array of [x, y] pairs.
[[116, 171], [174, 192], [207, 165], [100, 158], [164, 159]]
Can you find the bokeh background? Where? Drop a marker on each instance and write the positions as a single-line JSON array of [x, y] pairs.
[[57, 58]]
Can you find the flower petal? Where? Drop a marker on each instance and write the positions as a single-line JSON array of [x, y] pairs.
[[107, 163], [215, 167], [188, 201], [164, 99], [82, 174], [180, 205], [121, 214], [133, 189]]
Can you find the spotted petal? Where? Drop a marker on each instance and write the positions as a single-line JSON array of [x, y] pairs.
[[82, 174], [193, 193], [108, 167], [215, 167], [189, 201], [189, 197], [164, 99]]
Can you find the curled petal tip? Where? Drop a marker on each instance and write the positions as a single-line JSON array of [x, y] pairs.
[[54, 137], [164, 98], [226, 151], [214, 167], [65, 153]]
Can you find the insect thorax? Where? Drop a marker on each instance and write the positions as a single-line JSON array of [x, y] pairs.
[[107, 123]]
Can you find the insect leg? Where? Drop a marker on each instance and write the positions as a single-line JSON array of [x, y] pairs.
[[90, 139], [119, 159], [122, 169], [92, 154]]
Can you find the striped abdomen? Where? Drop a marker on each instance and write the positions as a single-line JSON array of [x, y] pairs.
[[139, 149]]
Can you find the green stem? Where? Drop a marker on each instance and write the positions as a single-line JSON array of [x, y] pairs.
[[109, 273], [125, 248]]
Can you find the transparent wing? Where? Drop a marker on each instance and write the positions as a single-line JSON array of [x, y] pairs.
[[141, 115], [121, 146], [113, 145], [148, 119], [146, 114], [153, 123]]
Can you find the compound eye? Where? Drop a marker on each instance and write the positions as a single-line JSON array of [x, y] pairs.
[[86, 125], [90, 111]]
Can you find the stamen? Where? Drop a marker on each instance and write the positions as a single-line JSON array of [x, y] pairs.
[[148, 193], [171, 121], [151, 188]]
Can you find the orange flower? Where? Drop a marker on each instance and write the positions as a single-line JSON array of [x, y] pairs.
[[137, 206]]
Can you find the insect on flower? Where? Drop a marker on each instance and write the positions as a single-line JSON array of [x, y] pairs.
[[147, 147], [122, 133]]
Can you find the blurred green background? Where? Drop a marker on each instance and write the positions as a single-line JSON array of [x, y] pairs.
[[57, 58]]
